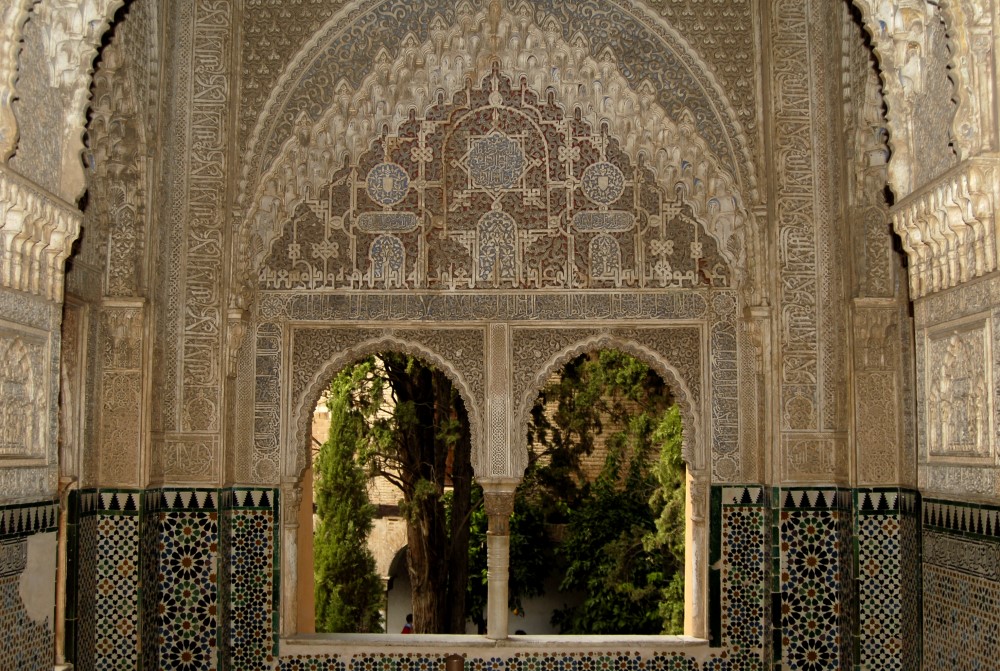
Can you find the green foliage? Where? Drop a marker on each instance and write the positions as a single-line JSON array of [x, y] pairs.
[[670, 499], [409, 426], [348, 591], [624, 548]]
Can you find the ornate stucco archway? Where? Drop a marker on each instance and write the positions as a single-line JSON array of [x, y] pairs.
[[462, 200]]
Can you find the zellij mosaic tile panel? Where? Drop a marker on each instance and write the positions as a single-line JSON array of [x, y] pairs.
[[810, 581], [253, 581], [188, 618]]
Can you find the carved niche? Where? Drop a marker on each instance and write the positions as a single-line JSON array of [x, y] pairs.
[[496, 189], [22, 396], [959, 389]]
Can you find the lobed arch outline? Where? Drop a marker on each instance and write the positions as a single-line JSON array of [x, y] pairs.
[[693, 443], [302, 407], [104, 132], [721, 186]]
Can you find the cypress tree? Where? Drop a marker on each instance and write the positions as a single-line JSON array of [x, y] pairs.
[[349, 593]]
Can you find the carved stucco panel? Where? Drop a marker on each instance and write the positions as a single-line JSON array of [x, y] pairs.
[[13, 14], [265, 467], [813, 458], [275, 31], [119, 134], [948, 227], [501, 191], [972, 68], [240, 450], [62, 36], [875, 265], [121, 391], [495, 306], [37, 231], [956, 360], [503, 458], [188, 458], [203, 299], [23, 394], [29, 361], [959, 393], [314, 142], [877, 394], [797, 254], [831, 270], [72, 373], [933, 106], [909, 39]]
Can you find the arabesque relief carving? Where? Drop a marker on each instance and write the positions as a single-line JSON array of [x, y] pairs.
[[36, 233], [878, 385], [495, 190], [120, 336], [302, 171], [20, 396], [13, 14], [120, 133], [796, 250], [971, 37], [62, 37], [948, 228], [909, 38], [960, 393]]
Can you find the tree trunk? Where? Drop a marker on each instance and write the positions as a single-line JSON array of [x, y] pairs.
[[458, 560], [438, 555], [424, 479]]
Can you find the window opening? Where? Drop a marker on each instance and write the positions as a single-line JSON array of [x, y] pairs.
[[393, 523], [598, 534], [393, 472]]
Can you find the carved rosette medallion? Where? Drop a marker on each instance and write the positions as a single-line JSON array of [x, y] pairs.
[[603, 183], [387, 184]]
